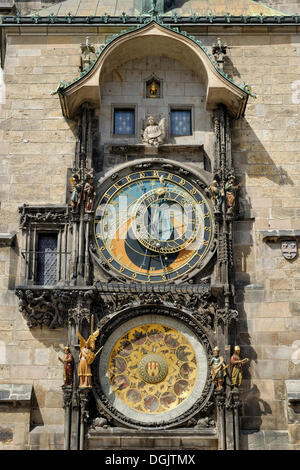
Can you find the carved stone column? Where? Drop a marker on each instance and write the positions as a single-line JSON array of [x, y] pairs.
[[67, 397], [234, 405], [83, 189], [84, 398], [220, 401]]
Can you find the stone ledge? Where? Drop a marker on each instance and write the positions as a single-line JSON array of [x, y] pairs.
[[7, 239], [181, 432], [163, 150], [6, 5], [15, 392], [276, 235], [118, 438], [265, 440]]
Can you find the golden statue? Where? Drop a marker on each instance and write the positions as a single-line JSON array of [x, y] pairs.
[[236, 368], [87, 357], [153, 90]]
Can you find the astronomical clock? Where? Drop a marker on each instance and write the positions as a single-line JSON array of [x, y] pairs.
[[153, 226], [137, 265]]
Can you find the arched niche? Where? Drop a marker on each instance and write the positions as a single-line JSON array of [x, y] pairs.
[[149, 40]]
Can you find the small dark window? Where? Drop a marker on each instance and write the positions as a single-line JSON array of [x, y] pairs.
[[181, 122], [124, 121], [47, 259]]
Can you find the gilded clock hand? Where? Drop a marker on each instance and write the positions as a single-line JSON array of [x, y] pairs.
[[143, 265], [161, 260]]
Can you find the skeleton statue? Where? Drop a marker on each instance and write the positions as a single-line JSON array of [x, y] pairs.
[[217, 195], [88, 196], [154, 134], [231, 193]]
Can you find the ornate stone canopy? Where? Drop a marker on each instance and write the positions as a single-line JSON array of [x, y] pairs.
[[144, 41]]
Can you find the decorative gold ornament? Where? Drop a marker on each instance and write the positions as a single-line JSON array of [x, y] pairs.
[[153, 90], [87, 356], [152, 368]]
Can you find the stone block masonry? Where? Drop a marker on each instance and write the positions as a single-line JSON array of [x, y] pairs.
[[37, 148]]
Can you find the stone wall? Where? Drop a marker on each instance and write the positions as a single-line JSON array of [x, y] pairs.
[[27, 6], [180, 87], [37, 148], [266, 155]]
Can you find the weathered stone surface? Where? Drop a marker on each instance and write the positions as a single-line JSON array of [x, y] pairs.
[[15, 392], [37, 148], [6, 435]]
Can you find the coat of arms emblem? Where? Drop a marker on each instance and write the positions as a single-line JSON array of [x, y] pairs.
[[289, 249], [152, 368]]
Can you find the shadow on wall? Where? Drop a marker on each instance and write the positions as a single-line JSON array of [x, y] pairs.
[[171, 4], [254, 407], [251, 157], [14, 258], [36, 418]]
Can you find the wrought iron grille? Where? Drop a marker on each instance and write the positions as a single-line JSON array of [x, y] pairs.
[[47, 260]]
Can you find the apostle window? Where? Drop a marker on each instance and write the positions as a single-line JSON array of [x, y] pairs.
[[181, 122], [124, 121]]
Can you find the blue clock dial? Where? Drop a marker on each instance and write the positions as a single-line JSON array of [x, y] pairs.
[[153, 226]]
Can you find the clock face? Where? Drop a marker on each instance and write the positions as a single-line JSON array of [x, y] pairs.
[[153, 369], [153, 226]]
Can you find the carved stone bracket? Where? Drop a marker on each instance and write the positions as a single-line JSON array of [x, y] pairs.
[[58, 307], [54, 307], [45, 307], [84, 398], [220, 398], [226, 316], [234, 400], [67, 395], [43, 214]]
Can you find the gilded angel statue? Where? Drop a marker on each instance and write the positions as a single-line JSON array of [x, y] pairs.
[[154, 133], [87, 357]]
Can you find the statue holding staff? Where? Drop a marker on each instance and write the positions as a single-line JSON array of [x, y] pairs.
[[87, 357], [236, 368], [68, 362]]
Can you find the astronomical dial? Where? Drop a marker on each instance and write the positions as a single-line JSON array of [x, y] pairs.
[[153, 226]]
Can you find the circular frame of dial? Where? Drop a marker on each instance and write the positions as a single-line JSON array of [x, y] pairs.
[[181, 383], [178, 236]]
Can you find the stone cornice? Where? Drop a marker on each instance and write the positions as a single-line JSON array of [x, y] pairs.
[[107, 20], [7, 239], [276, 235]]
